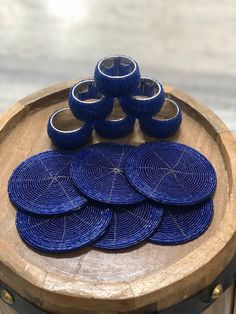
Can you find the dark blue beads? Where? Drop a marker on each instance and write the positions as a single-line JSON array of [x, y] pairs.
[[66, 132], [183, 224], [93, 100], [115, 128], [162, 127], [130, 225], [171, 173], [117, 125], [113, 196], [42, 184], [146, 100], [53, 216], [87, 103], [117, 76], [63, 233], [98, 173]]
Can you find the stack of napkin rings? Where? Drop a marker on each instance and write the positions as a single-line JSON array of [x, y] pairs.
[[110, 103]]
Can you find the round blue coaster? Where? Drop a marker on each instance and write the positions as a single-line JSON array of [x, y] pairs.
[[97, 171], [130, 225], [183, 224], [62, 233], [171, 173], [42, 184]]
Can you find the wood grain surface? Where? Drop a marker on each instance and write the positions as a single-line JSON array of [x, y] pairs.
[[93, 281]]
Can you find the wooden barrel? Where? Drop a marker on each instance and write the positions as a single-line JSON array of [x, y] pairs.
[[147, 279]]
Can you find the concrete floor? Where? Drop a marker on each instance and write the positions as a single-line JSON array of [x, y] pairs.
[[188, 44]]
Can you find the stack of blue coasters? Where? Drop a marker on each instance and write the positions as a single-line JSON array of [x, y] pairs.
[[113, 196], [52, 215], [182, 180]]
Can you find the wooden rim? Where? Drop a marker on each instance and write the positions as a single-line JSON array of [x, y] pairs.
[[165, 287]]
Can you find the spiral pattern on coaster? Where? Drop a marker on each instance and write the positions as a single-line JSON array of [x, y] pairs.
[[87, 103], [42, 184], [113, 129], [97, 171], [146, 100], [183, 224], [117, 76], [130, 225], [63, 233], [171, 173]]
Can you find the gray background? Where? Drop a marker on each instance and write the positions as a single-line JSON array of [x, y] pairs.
[[188, 44]]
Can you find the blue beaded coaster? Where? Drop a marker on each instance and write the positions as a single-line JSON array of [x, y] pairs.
[[130, 225], [183, 224], [42, 184], [97, 171], [171, 173], [62, 233]]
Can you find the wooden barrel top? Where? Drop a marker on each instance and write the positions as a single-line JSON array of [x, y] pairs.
[[103, 282]]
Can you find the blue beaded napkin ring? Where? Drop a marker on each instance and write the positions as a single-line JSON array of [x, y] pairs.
[[146, 100], [117, 76], [162, 127], [87, 103], [119, 126], [66, 132]]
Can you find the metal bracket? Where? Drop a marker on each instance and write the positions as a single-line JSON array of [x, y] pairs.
[[201, 301], [15, 301]]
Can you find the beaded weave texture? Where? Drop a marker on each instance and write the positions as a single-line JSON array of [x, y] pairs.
[[113, 129], [42, 184], [108, 195], [97, 171], [160, 128], [115, 80], [143, 107], [63, 233], [72, 139], [183, 224], [171, 173], [130, 225], [98, 108]]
